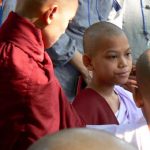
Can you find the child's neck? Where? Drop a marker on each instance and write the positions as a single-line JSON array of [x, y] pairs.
[[103, 89], [107, 91], [148, 121]]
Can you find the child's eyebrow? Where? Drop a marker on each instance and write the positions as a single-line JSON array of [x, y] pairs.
[[128, 49], [114, 51]]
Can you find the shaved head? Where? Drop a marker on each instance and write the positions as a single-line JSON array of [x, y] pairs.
[[39, 6], [143, 73], [81, 139], [98, 32], [43, 2]]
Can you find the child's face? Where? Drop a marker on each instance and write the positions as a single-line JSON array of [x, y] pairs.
[[59, 24], [112, 62]]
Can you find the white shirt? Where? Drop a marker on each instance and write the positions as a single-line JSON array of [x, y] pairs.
[[138, 134], [116, 17], [127, 112]]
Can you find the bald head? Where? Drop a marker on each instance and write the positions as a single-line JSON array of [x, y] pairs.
[[46, 2], [98, 32], [80, 139], [42, 2], [143, 73], [37, 7], [34, 3]]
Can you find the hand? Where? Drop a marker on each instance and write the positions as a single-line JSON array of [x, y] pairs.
[[87, 76], [131, 83], [77, 62]]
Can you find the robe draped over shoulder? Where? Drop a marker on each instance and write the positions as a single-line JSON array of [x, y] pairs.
[[93, 108]]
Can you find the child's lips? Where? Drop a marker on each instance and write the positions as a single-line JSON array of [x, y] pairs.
[[123, 74]]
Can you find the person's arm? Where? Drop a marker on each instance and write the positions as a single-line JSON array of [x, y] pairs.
[[65, 51], [131, 84], [62, 51]]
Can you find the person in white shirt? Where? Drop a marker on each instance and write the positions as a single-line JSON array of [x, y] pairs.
[[137, 133]]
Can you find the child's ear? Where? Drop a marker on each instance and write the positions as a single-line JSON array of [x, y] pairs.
[[138, 98], [87, 61], [49, 15]]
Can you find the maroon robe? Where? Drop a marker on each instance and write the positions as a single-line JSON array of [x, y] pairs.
[[93, 108], [32, 103]]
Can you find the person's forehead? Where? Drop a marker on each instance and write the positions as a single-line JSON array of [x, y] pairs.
[[107, 41]]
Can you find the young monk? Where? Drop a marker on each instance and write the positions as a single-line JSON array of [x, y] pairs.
[[32, 103], [80, 139], [137, 133], [108, 57]]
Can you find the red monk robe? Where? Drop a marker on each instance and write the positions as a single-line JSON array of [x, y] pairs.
[[32, 103], [93, 108]]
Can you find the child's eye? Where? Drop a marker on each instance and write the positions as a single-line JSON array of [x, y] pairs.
[[112, 56], [128, 54]]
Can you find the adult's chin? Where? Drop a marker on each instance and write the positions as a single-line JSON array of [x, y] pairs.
[[50, 43], [50, 37]]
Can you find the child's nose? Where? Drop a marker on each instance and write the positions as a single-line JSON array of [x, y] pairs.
[[123, 62]]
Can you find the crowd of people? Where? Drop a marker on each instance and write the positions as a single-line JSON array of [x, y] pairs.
[[70, 64]]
